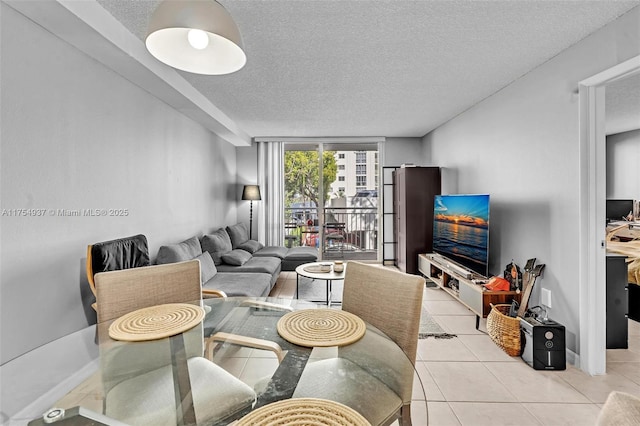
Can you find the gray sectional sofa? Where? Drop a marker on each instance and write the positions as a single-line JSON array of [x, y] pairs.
[[232, 263]]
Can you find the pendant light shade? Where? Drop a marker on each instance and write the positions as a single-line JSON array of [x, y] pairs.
[[197, 36]]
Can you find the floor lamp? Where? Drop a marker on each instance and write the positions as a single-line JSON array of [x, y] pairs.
[[251, 193]]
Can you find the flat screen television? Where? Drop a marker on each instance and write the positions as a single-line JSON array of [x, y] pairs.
[[461, 230], [618, 209]]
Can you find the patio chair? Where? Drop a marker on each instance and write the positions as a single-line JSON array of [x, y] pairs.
[[334, 237], [290, 234]]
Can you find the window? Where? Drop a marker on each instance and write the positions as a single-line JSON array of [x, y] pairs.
[[340, 166], [361, 180], [341, 156], [341, 188], [340, 178], [361, 157], [361, 169]]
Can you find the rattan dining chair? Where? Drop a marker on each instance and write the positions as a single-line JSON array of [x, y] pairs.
[[138, 378], [390, 301]]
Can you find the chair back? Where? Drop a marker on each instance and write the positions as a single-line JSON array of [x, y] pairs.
[[388, 299], [124, 291], [123, 253]]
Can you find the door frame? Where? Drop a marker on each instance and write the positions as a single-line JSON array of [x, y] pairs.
[[592, 169]]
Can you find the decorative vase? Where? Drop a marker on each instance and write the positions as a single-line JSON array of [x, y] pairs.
[[338, 266]]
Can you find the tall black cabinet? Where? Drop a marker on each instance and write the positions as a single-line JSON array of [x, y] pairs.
[[617, 302], [414, 189]]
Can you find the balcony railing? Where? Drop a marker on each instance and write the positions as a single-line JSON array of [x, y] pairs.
[[348, 232]]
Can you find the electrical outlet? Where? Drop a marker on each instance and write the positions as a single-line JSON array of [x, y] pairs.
[[545, 297]]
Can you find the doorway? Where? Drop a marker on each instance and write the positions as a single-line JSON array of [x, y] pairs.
[[592, 217]]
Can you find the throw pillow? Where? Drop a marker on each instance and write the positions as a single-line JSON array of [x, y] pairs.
[[251, 246], [236, 257], [239, 233], [216, 244], [186, 250], [207, 268]]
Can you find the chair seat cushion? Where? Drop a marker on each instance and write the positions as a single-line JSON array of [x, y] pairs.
[[240, 284], [149, 399], [340, 380]]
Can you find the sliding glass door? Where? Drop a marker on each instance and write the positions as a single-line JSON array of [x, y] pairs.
[[331, 198]]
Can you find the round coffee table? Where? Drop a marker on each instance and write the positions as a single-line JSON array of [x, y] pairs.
[[308, 270]]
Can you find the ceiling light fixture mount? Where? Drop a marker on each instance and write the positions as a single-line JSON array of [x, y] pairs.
[[198, 36]]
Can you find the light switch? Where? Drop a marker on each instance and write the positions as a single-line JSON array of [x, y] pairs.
[[545, 297]]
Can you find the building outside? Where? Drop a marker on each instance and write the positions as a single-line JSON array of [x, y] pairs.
[[354, 197], [357, 171]]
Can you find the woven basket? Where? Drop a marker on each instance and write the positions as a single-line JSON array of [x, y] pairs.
[[504, 330]]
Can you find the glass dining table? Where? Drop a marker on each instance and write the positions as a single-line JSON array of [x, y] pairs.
[[241, 335]]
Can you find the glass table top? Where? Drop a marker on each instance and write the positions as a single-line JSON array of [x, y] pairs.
[[239, 335]]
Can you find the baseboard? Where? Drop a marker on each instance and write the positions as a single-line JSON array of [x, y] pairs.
[[573, 358]]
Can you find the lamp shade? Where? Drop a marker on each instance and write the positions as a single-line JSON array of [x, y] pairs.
[[197, 36], [251, 192]]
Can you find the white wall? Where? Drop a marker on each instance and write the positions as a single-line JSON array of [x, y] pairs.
[[75, 135], [521, 145], [623, 165], [397, 151], [247, 174]]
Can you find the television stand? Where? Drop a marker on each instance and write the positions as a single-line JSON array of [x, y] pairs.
[[463, 284]]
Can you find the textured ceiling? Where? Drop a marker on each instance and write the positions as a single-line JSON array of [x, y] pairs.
[[622, 105], [379, 68]]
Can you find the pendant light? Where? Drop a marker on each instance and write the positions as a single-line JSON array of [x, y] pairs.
[[197, 36]]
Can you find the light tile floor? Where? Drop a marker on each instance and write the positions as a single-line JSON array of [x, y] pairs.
[[468, 380]]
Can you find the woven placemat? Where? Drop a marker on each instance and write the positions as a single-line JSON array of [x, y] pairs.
[[321, 327], [304, 411], [156, 322]]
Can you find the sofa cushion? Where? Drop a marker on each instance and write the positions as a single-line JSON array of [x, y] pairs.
[[216, 244], [272, 251], [302, 253], [186, 250], [251, 246], [207, 267], [297, 256], [236, 257], [268, 265], [239, 233], [240, 283]]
